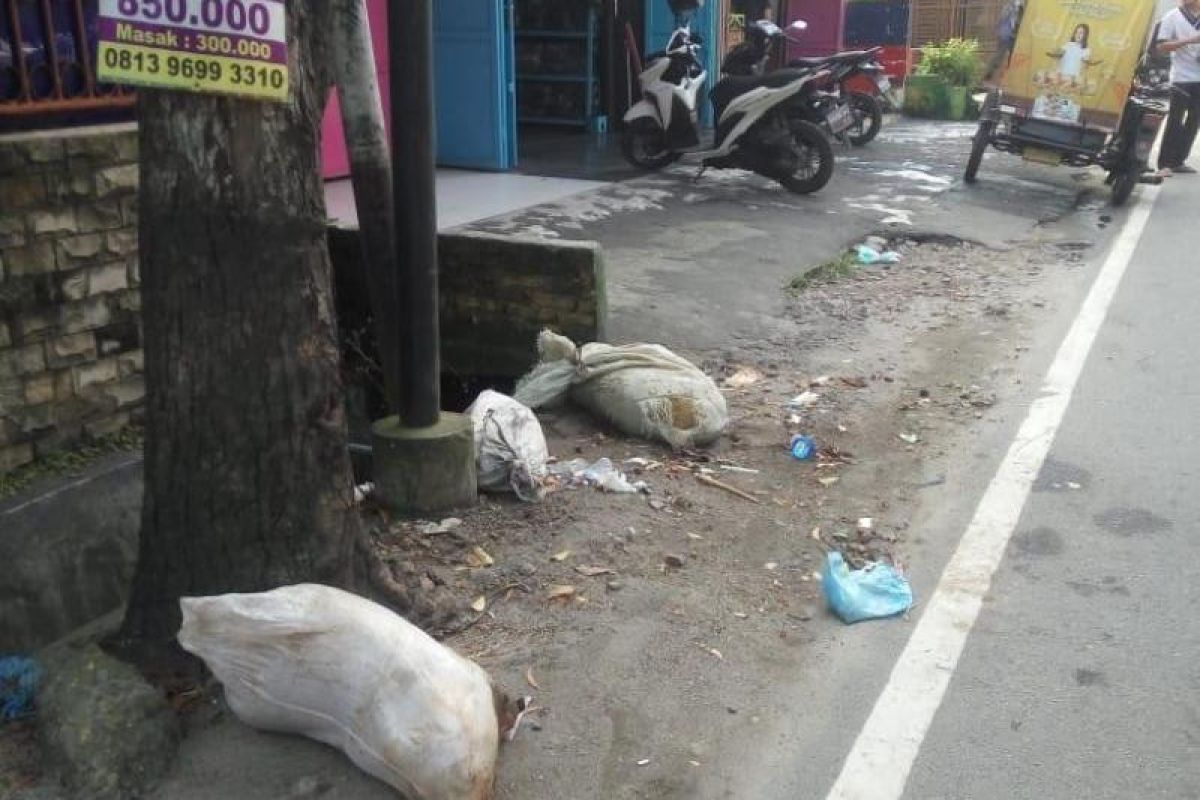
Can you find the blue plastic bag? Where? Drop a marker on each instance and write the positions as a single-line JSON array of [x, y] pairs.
[[18, 684], [876, 591]]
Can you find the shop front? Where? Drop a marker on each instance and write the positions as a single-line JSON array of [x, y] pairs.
[[517, 78]]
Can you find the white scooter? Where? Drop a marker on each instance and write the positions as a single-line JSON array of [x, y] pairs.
[[757, 127]]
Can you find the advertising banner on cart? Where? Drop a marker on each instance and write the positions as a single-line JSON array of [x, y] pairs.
[[1074, 60], [236, 47]]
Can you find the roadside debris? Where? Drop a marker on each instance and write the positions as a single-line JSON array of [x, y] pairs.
[[530, 679], [378, 718], [19, 678], [600, 474], [362, 492], [510, 448], [436, 528], [643, 389], [708, 480], [803, 447], [910, 438], [869, 255], [592, 572], [560, 592], [743, 377], [873, 592], [802, 401]]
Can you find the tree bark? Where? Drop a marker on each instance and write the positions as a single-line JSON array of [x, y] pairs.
[[248, 479]]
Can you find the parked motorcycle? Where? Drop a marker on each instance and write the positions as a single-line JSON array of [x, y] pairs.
[[849, 115], [755, 129]]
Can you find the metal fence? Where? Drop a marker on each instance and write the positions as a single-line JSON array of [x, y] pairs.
[[47, 61]]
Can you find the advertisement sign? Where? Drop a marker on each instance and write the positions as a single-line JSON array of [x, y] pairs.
[[236, 47], [1074, 60]]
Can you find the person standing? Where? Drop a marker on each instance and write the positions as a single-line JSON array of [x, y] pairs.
[[1179, 35], [1006, 37]]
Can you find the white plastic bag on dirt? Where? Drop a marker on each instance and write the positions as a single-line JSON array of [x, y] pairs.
[[332, 666], [643, 389], [510, 448]]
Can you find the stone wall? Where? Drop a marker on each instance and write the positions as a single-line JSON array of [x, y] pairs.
[[497, 294], [70, 327]]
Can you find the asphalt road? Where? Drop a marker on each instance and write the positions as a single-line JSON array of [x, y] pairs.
[[1081, 677]]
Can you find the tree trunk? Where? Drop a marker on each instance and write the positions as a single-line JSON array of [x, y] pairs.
[[248, 479]]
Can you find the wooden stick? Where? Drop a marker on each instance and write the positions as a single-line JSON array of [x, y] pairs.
[[709, 481]]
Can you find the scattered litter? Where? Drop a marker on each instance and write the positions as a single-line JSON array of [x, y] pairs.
[[695, 536], [643, 762], [816, 533], [643, 389], [530, 679], [693, 762], [19, 677], [771, 565], [866, 524], [601, 475], [739, 470], [592, 572], [1074, 485], [711, 481], [257, 645], [854, 383], [743, 377], [642, 464], [510, 448], [561, 555], [362, 492], [876, 591], [869, 255], [741, 615], [803, 447], [673, 560], [560, 592], [480, 604], [478, 558], [830, 481], [803, 400], [911, 438], [435, 528], [713, 652]]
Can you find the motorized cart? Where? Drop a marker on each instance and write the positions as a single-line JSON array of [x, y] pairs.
[[1072, 93]]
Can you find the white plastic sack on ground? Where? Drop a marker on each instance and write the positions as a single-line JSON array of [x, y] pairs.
[[643, 389], [510, 449], [329, 665]]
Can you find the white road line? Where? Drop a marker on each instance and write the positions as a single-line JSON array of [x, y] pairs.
[[882, 757]]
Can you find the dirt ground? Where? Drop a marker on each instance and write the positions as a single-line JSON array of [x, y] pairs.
[[688, 602]]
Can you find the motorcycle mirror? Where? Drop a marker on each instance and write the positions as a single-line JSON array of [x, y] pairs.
[[799, 25]]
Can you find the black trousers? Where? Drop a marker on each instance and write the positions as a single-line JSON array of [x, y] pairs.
[[1182, 123]]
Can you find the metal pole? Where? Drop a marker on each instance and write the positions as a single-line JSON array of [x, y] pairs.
[[410, 44]]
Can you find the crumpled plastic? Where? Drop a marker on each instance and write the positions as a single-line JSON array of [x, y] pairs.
[[602, 475], [874, 592], [869, 255]]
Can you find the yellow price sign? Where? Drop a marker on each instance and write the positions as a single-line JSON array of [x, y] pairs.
[[235, 47]]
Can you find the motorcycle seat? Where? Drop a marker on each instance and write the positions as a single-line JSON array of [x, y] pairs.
[[733, 86], [836, 58]]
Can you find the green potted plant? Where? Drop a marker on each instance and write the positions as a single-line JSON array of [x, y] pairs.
[[943, 81]]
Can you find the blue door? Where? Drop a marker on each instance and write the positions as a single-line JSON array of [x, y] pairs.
[[660, 24], [476, 92]]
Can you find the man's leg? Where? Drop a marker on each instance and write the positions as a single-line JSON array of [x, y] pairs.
[[1191, 123], [998, 58], [1167, 155]]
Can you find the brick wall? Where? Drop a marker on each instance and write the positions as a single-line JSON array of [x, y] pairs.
[[70, 323]]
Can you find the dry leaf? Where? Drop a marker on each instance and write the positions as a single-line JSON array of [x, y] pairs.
[[695, 536], [745, 376], [478, 558], [830, 481], [865, 524], [560, 592], [530, 679], [771, 565], [561, 556], [592, 572], [816, 532], [643, 762], [480, 604], [911, 438], [694, 763]]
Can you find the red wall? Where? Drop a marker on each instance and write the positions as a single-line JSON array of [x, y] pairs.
[[335, 161]]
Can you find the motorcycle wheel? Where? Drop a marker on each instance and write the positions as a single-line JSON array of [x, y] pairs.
[[815, 157], [644, 145], [868, 118], [1123, 182], [979, 145]]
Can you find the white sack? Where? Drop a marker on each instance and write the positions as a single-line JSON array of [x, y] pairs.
[[643, 389], [330, 665], [510, 448]]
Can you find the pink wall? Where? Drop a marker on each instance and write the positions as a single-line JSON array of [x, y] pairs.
[[335, 162], [825, 19]]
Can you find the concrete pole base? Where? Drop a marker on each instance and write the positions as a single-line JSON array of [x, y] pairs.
[[421, 471]]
